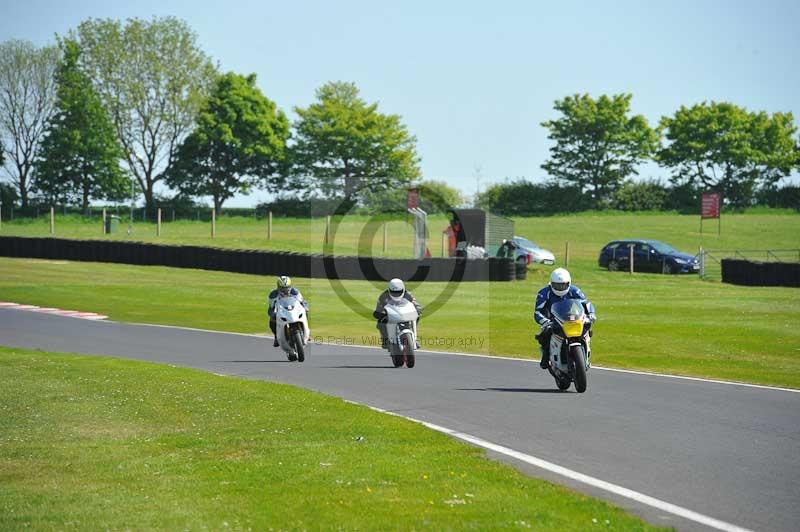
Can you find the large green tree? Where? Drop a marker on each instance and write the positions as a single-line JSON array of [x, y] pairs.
[[597, 144], [724, 147], [239, 142], [152, 77], [27, 97], [344, 147], [79, 159], [435, 196]]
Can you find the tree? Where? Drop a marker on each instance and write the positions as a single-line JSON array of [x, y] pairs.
[[80, 155], [641, 196], [345, 147], [239, 141], [726, 148], [597, 143], [27, 96], [435, 197], [523, 198], [152, 78]]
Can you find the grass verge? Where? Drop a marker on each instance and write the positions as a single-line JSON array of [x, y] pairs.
[[94, 442]]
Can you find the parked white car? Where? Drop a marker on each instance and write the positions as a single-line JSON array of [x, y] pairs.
[[532, 252]]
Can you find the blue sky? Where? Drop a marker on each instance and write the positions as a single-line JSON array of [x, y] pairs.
[[474, 80]]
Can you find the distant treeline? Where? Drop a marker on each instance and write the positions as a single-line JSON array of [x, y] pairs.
[[524, 198]]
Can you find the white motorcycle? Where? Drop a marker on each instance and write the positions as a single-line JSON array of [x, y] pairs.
[[401, 329], [291, 326], [570, 344]]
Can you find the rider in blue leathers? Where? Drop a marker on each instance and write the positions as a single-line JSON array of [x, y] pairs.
[[560, 288]]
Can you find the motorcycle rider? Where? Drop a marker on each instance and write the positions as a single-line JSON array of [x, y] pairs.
[[284, 289], [559, 288], [396, 290]]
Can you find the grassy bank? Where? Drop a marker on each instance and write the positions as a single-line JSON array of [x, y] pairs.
[[586, 232], [92, 442], [673, 324]]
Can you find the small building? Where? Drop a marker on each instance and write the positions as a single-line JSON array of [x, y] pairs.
[[477, 227]]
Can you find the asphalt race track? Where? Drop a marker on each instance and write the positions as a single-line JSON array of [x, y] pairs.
[[725, 451]]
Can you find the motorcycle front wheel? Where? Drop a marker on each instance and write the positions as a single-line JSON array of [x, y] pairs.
[[298, 345], [579, 358], [408, 349]]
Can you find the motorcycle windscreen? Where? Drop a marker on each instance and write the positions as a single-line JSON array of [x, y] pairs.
[[288, 302], [570, 314]]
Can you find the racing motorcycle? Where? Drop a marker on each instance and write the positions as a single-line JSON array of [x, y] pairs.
[[401, 329], [570, 344], [292, 327]]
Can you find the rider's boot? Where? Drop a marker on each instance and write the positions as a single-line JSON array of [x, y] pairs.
[[275, 341], [545, 362]]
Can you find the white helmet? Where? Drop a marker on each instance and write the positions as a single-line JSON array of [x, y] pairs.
[[560, 281], [396, 289]]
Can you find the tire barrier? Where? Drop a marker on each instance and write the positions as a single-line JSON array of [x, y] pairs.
[[755, 273], [261, 262], [521, 270]]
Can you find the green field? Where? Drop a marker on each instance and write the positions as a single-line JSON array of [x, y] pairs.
[[586, 233], [101, 443]]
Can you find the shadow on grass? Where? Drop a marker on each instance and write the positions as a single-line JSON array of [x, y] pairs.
[[514, 390]]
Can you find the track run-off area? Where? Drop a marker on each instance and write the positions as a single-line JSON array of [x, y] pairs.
[[682, 452]]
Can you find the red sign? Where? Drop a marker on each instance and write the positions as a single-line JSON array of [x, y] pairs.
[[709, 205], [413, 198]]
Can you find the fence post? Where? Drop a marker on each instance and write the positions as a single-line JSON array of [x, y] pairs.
[[566, 255], [213, 222], [1, 217], [444, 238], [630, 254], [173, 214], [158, 222], [385, 236], [269, 225], [327, 229], [702, 263], [104, 220], [52, 221]]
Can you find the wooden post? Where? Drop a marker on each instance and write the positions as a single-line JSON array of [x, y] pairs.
[[104, 220], [269, 225], [566, 255], [52, 221], [385, 236], [173, 214], [1, 217], [158, 222], [327, 229], [213, 222], [630, 250], [444, 240]]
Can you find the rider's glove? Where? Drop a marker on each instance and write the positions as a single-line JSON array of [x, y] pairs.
[[592, 317], [546, 324], [383, 319]]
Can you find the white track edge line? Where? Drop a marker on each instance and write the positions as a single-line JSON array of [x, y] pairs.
[[641, 498], [479, 355]]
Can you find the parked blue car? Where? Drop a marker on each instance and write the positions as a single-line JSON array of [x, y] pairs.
[[648, 256]]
